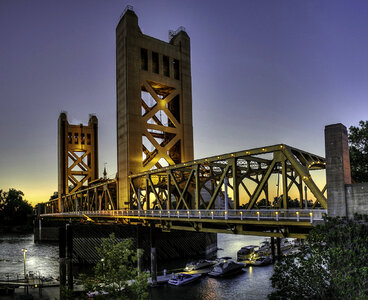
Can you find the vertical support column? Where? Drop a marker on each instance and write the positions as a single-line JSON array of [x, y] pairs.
[[153, 255], [235, 184], [168, 204], [39, 229], [284, 185], [306, 196], [226, 182], [337, 169], [69, 255], [197, 187], [273, 249], [300, 189], [139, 249], [278, 245], [148, 204], [62, 266]]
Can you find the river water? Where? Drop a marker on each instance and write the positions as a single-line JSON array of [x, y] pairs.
[[254, 283]]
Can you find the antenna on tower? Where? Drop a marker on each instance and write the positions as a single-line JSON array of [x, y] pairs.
[[105, 172]]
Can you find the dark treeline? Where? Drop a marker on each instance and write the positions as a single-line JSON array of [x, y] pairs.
[[14, 210]]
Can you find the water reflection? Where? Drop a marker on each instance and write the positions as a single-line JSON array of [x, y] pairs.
[[254, 283], [42, 258]]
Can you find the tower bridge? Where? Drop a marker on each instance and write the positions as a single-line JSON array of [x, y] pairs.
[[158, 181], [160, 185], [195, 195]]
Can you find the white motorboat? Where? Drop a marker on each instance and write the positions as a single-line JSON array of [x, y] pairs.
[[260, 261], [201, 264], [182, 279], [246, 253], [226, 268]]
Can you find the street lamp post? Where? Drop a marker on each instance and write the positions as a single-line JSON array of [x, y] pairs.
[[24, 259], [103, 266]]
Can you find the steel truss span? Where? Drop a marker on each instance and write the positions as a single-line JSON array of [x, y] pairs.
[[245, 176], [227, 193]]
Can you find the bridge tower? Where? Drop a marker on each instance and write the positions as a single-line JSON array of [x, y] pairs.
[[154, 101], [77, 155]]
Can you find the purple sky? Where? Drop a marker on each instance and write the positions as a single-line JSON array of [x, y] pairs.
[[263, 72]]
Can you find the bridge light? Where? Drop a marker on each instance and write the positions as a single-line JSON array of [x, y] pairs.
[[263, 149], [188, 212], [311, 214], [225, 212], [277, 213], [258, 212], [297, 213], [232, 154]]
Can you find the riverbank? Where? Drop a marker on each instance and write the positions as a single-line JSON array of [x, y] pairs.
[[16, 229], [33, 293]]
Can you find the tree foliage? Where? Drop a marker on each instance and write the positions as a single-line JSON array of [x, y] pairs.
[[14, 210], [358, 144], [332, 264], [117, 273]]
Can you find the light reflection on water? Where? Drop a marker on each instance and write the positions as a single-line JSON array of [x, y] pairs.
[[41, 258], [254, 283]]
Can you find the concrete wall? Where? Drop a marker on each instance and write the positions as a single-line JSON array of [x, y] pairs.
[[357, 198], [343, 197]]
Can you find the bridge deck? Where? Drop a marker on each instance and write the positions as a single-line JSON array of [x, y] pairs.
[[264, 222]]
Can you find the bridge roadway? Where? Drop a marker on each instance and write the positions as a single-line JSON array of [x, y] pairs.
[[293, 223]]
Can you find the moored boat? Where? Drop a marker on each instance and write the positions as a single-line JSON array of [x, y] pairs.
[[226, 268], [201, 264], [182, 279], [246, 253], [260, 261]]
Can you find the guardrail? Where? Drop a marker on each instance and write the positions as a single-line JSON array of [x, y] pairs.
[[301, 215]]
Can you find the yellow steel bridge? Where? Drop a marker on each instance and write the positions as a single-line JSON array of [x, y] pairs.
[[228, 193]]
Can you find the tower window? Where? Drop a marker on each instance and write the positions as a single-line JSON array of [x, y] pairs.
[[70, 138], [176, 69], [144, 59], [155, 66], [166, 65]]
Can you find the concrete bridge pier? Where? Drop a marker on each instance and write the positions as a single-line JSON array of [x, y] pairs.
[[69, 254], [153, 255], [139, 249], [278, 247], [344, 198], [62, 265], [273, 249]]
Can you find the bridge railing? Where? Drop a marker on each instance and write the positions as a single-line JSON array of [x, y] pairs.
[[301, 215]]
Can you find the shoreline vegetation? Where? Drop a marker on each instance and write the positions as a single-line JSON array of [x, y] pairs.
[[16, 214]]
